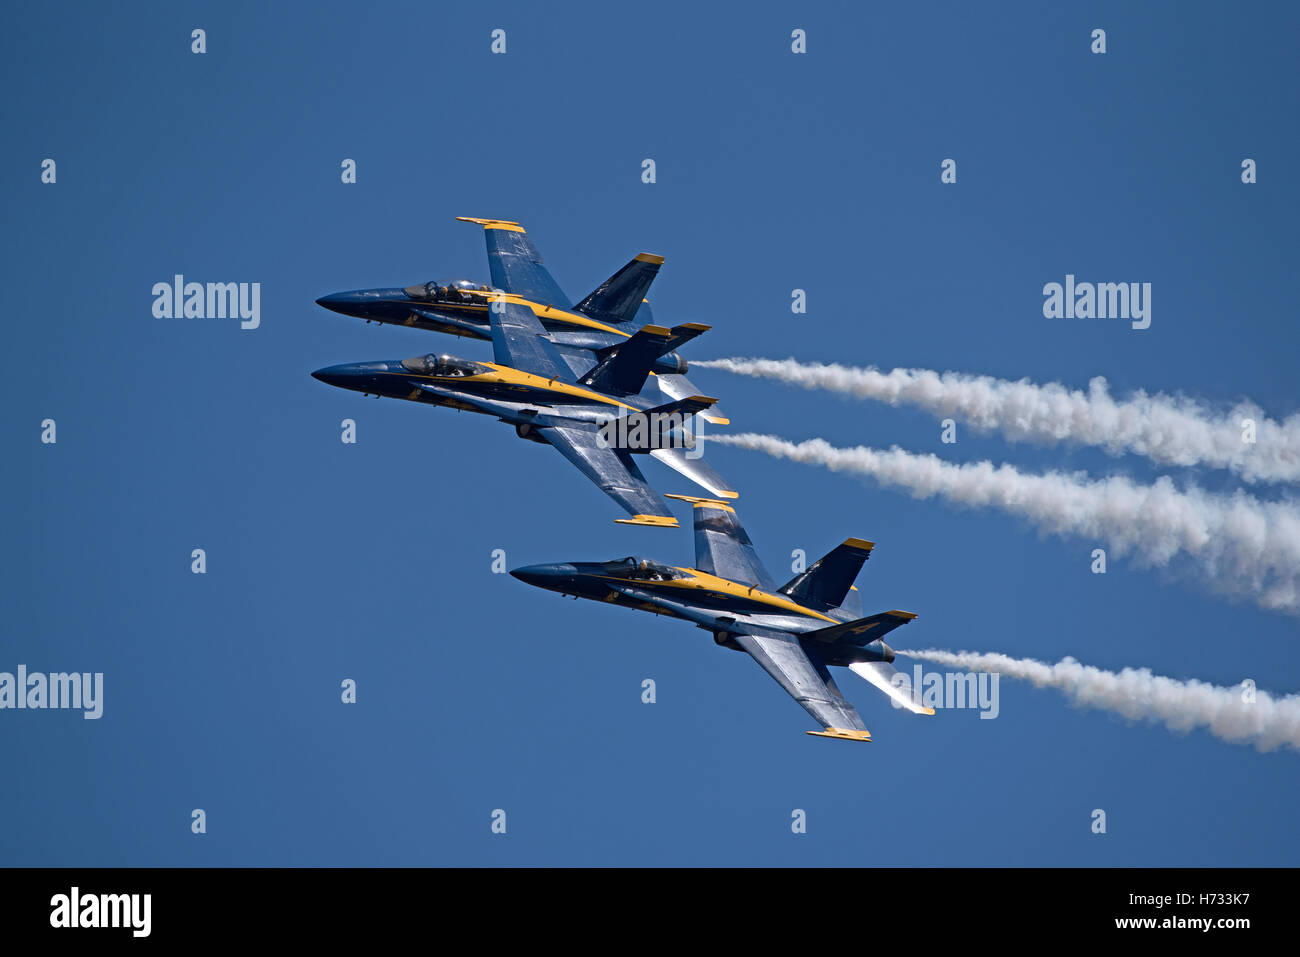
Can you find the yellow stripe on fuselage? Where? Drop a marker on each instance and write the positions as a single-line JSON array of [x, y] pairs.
[[504, 375], [703, 581], [541, 312], [544, 312], [508, 376]]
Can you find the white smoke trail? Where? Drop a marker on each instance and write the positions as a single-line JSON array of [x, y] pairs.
[[1266, 722], [1168, 430], [1241, 545]]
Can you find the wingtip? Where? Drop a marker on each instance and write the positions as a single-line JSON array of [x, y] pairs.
[[844, 734], [650, 258], [654, 521], [507, 224], [701, 502]]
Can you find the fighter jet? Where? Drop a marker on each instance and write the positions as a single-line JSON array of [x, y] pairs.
[[795, 632], [582, 333], [598, 421]]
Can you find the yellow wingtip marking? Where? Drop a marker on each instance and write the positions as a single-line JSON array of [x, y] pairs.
[[695, 326], [929, 711], [861, 543], [506, 224], [903, 614], [699, 502], [843, 734], [657, 521], [650, 258], [731, 495], [656, 331]]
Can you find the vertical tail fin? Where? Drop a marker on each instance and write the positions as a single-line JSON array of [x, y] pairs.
[[625, 367], [827, 581], [621, 296]]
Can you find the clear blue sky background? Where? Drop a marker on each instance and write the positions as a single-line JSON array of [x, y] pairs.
[[372, 561]]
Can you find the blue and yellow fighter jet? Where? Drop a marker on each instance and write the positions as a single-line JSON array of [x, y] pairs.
[[598, 421], [794, 632], [582, 333]]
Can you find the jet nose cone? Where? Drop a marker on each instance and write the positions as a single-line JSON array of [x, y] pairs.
[[363, 303], [342, 376], [543, 576], [336, 301], [531, 574]]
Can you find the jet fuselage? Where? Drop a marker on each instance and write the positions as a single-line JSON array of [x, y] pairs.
[[462, 307], [518, 398], [691, 595]]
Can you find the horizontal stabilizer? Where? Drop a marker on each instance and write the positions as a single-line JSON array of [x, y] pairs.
[[863, 631], [881, 674], [623, 369], [663, 428], [676, 386], [684, 407], [680, 335], [619, 298]]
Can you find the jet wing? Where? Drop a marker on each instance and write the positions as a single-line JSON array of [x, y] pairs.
[[807, 681], [520, 342], [516, 265], [613, 470], [722, 547]]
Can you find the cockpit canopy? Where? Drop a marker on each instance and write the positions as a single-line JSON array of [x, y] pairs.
[[453, 290], [642, 569], [442, 366]]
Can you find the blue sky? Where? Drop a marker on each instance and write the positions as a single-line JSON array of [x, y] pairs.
[[373, 561]]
